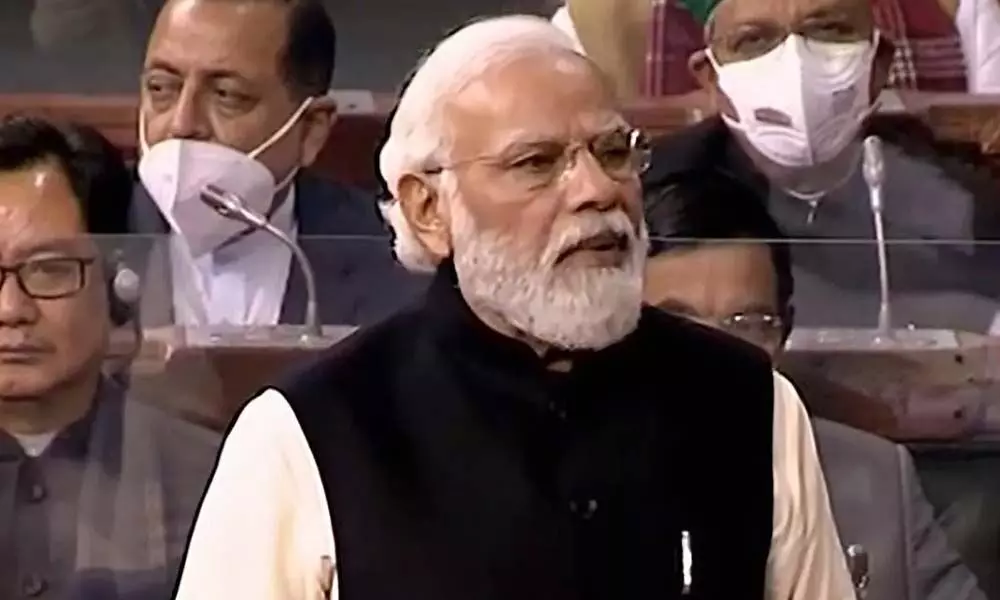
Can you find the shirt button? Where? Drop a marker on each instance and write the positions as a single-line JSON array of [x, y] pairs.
[[37, 492], [583, 509], [557, 410], [33, 586]]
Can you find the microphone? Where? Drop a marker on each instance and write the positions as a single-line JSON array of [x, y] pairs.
[[873, 169], [687, 563], [857, 564], [231, 206]]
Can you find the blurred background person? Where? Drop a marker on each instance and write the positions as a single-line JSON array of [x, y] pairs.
[[506, 437], [718, 258], [798, 140], [235, 94], [938, 45], [98, 490]]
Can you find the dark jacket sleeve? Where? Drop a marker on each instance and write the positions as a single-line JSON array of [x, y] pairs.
[[937, 572]]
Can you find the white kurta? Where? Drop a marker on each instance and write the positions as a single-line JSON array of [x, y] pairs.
[[264, 526]]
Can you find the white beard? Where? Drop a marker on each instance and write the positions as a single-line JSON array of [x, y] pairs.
[[572, 308]]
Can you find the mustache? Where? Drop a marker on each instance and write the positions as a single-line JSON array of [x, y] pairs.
[[15, 342], [584, 228]]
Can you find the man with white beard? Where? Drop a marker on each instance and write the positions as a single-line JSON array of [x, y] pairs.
[[514, 434]]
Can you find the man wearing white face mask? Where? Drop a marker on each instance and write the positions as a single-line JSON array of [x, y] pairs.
[[234, 95], [795, 82]]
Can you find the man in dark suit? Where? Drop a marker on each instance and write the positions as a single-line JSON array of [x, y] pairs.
[[740, 283], [97, 489], [234, 95], [799, 140]]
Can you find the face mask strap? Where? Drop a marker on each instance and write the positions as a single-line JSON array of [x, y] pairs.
[[284, 129]]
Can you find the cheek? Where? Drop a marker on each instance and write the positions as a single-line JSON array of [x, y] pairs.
[[531, 223], [281, 156], [157, 127], [77, 329]]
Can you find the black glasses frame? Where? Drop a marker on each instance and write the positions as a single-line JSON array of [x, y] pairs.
[[17, 271]]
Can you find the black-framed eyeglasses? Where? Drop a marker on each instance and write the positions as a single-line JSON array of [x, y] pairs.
[[49, 278], [621, 153]]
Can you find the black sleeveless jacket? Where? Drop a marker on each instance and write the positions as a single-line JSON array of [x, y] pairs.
[[457, 467]]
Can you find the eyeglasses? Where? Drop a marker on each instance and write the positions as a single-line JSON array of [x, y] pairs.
[[622, 154], [760, 329], [49, 278], [750, 42]]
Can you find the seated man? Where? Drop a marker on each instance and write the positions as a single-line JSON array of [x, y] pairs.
[[234, 95], [709, 263], [799, 140], [98, 491], [508, 438], [940, 45]]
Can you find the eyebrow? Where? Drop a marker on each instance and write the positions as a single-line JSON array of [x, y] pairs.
[[158, 64], [61, 247], [515, 142]]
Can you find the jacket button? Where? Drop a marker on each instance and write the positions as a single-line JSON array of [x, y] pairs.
[[37, 492], [584, 509], [33, 586]]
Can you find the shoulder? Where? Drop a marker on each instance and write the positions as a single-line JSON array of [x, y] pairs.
[[351, 367], [186, 446], [325, 207], [693, 343], [691, 148], [839, 443], [713, 365]]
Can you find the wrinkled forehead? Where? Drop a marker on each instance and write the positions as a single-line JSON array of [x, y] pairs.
[[531, 98], [733, 14]]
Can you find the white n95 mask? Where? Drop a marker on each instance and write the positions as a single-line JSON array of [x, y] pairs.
[[175, 171], [802, 103]]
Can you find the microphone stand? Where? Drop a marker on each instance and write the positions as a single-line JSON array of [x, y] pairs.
[[231, 206], [885, 337], [874, 174]]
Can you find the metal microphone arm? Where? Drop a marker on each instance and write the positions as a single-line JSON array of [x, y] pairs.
[[232, 207], [873, 169]]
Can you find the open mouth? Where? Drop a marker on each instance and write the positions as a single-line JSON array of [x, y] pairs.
[[21, 350], [606, 242]]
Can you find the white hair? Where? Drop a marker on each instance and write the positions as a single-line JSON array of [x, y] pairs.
[[418, 134], [528, 288], [571, 308]]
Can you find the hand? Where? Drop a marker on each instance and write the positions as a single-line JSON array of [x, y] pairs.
[[327, 574]]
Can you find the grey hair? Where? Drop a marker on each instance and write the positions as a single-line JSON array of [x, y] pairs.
[[418, 136]]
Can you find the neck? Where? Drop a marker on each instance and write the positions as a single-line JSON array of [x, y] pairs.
[[51, 412], [809, 183]]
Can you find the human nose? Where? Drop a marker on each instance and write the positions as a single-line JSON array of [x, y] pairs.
[[187, 117], [16, 306], [589, 186]]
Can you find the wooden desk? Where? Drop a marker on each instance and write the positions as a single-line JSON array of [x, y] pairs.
[[942, 395], [961, 123]]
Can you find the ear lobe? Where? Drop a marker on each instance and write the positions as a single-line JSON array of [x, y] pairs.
[[421, 205]]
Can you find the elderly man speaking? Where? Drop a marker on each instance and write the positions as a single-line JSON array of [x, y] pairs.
[[514, 434]]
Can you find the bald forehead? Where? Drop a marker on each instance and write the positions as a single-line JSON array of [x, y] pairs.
[[731, 14], [551, 95]]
